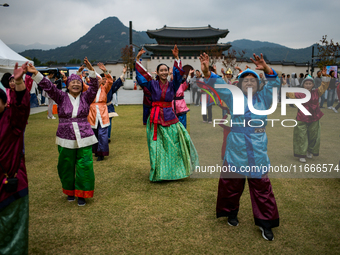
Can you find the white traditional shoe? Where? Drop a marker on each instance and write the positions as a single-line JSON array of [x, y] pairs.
[[330, 108], [309, 155], [334, 110], [302, 160]]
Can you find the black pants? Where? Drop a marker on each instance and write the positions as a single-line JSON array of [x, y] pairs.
[[209, 111]]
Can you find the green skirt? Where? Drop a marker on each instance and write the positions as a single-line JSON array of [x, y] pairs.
[[173, 156], [14, 228]]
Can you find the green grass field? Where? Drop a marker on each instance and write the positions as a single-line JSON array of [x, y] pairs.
[[131, 215]]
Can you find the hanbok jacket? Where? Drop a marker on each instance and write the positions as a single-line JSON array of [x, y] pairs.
[[98, 109], [313, 104], [246, 151], [12, 125], [161, 114], [74, 131]]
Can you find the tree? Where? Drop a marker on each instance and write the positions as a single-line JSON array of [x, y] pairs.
[[214, 54], [230, 59], [36, 62], [328, 52], [49, 63], [127, 56]]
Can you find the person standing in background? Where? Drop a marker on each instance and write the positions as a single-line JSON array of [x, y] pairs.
[[331, 91]]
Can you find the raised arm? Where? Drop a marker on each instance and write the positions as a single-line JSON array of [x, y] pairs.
[[177, 72], [91, 93], [109, 80], [272, 77], [52, 91], [187, 82], [204, 59], [215, 82], [20, 99], [118, 83], [143, 77]]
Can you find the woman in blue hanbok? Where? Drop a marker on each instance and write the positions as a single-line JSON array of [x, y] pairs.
[[246, 151]]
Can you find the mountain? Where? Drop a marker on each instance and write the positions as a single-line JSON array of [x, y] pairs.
[[103, 42], [20, 47], [273, 51], [248, 44]]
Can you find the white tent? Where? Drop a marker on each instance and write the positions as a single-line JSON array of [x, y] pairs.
[[8, 58]]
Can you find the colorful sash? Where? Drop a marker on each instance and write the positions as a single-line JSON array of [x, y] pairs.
[[156, 106]]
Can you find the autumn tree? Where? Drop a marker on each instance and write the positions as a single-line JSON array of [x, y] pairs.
[[127, 56], [329, 51]]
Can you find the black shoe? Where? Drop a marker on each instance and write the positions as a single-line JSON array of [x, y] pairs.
[[109, 140], [100, 158], [81, 201], [267, 233], [233, 221], [70, 198]]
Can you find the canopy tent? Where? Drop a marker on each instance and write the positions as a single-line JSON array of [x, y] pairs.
[[8, 58]]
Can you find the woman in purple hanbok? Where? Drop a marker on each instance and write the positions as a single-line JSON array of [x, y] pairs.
[[172, 153], [75, 136]]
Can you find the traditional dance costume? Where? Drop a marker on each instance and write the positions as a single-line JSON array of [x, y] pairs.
[[247, 147], [147, 104], [99, 115], [172, 153], [179, 106], [74, 136], [14, 200], [307, 132]]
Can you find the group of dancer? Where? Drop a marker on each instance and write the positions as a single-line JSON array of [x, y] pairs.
[[83, 123]]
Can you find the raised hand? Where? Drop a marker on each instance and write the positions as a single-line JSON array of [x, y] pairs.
[[204, 59], [222, 70], [19, 71], [215, 69], [248, 67], [124, 69], [101, 66], [175, 52], [31, 69], [140, 53], [170, 71], [81, 68], [88, 64], [260, 63], [324, 71], [191, 71]]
